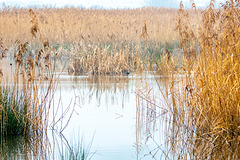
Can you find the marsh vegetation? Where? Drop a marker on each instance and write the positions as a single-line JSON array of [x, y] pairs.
[[203, 107], [174, 71]]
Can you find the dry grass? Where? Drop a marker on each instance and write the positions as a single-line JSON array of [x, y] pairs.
[[212, 92], [23, 101], [99, 29], [96, 26], [203, 108], [102, 61]]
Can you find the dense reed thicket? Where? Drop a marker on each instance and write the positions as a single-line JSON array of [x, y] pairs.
[[70, 25], [211, 93], [203, 107], [95, 39]]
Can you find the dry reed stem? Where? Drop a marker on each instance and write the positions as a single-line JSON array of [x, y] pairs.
[[204, 108]]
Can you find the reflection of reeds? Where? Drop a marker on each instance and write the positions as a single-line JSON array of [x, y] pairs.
[[15, 148], [115, 89], [41, 148]]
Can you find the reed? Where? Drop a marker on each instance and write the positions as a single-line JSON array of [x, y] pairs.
[[87, 25], [101, 61], [74, 26], [202, 109], [23, 98], [211, 90], [122, 58]]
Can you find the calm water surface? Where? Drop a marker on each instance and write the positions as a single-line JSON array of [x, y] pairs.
[[105, 111], [101, 110]]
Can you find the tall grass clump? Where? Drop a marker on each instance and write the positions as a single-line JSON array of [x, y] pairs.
[[25, 98], [203, 108], [12, 114], [208, 104]]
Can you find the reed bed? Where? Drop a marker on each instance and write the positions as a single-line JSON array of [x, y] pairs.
[[97, 38], [26, 99], [203, 113], [102, 61], [123, 58], [170, 62], [70, 25]]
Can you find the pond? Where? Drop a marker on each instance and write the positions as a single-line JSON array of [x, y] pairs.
[[100, 111]]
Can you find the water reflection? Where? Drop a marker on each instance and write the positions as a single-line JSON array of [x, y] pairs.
[[90, 88], [22, 148], [151, 117], [51, 146], [13, 148], [108, 108], [104, 106]]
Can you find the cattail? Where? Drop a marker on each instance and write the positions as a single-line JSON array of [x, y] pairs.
[[34, 28], [1, 73], [45, 44], [144, 33], [39, 55], [30, 63]]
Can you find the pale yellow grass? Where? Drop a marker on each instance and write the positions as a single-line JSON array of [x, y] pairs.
[[99, 26]]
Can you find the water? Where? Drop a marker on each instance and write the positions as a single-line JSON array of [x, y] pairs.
[[100, 111], [105, 110], [110, 118]]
